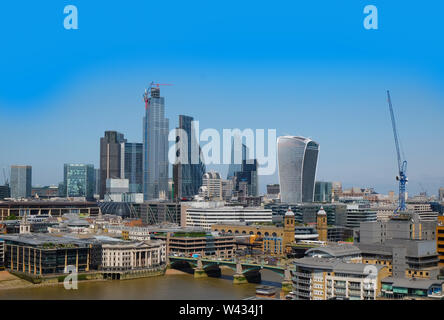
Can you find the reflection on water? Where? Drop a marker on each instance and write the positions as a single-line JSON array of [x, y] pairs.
[[182, 286]]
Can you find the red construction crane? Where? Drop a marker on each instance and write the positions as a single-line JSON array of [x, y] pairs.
[[147, 93]]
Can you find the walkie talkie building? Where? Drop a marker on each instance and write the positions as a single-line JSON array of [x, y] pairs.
[[297, 161]]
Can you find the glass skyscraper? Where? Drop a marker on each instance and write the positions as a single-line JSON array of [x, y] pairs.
[[187, 176], [297, 161], [323, 191], [21, 181], [78, 180], [133, 166], [155, 147]]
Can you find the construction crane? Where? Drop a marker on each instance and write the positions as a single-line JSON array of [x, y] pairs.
[[402, 163], [147, 93], [5, 177]]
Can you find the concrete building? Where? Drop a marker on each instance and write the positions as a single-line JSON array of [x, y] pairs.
[[2, 254], [205, 217], [186, 243], [54, 208], [212, 186], [417, 289], [405, 258], [440, 240], [135, 255], [323, 279], [297, 162], [21, 181], [441, 195], [355, 214]]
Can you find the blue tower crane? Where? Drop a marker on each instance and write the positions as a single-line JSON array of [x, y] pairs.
[[402, 163]]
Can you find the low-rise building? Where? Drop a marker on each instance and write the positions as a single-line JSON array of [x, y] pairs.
[[126, 256], [202, 243], [323, 278], [402, 288]]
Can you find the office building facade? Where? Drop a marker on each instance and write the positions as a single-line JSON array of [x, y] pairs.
[[155, 147], [323, 192], [110, 158], [78, 180], [188, 168], [297, 162], [133, 166], [21, 181]]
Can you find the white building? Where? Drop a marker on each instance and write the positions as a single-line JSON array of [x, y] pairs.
[[124, 256], [206, 217], [211, 186]]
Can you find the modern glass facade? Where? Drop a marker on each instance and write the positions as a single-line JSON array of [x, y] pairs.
[[21, 181], [133, 166], [155, 147], [323, 191], [79, 180], [187, 175], [297, 160]]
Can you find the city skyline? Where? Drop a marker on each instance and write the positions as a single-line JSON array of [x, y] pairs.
[[330, 89]]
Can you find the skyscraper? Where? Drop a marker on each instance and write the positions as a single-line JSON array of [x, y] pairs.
[[21, 181], [155, 146], [323, 191], [110, 158], [297, 161], [187, 176], [78, 180], [133, 166]]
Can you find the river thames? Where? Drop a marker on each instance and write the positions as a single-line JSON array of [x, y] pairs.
[[168, 287]]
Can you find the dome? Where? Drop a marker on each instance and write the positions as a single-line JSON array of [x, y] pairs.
[[322, 212], [289, 213], [121, 209]]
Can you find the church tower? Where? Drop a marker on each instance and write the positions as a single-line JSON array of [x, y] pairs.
[[321, 224], [288, 228], [25, 226]]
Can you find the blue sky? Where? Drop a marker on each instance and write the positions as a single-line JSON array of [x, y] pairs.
[[303, 68]]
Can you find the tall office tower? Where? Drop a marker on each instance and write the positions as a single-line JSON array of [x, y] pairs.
[[235, 164], [96, 181], [78, 180], [21, 181], [133, 166], [248, 175], [110, 158], [441, 194], [297, 161], [155, 147], [323, 191], [188, 168]]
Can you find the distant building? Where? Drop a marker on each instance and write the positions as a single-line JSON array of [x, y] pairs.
[[323, 191], [21, 181], [5, 192], [205, 217], [211, 186], [227, 190], [273, 190], [45, 192], [189, 168], [133, 166], [110, 158], [355, 214], [297, 160], [440, 240], [441, 195], [78, 180], [195, 242], [155, 147]]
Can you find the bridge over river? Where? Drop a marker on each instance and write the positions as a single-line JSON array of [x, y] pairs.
[[245, 270]]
